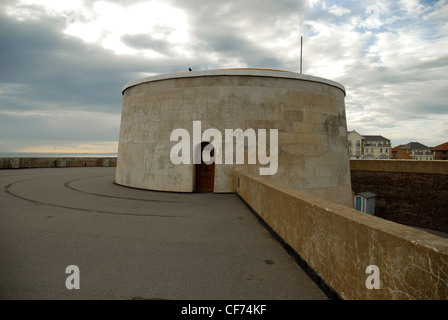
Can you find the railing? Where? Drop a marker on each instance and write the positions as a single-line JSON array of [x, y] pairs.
[[422, 153], [379, 144]]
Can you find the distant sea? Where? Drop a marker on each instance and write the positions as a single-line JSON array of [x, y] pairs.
[[57, 155]]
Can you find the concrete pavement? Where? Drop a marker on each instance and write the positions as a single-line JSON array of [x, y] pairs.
[[135, 244]]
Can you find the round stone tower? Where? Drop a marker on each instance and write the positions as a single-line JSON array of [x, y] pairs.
[[165, 132]]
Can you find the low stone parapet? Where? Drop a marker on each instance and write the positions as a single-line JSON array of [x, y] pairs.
[[357, 255], [400, 165], [23, 163]]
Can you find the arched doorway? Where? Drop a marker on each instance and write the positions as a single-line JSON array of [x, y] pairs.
[[205, 171]]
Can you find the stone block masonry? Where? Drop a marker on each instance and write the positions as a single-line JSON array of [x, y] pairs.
[[409, 192], [307, 112]]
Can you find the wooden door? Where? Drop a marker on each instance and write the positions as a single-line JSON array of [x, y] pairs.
[[205, 171]]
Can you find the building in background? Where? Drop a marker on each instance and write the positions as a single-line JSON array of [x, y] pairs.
[[377, 147], [368, 147], [441, 151], [355, 145], [395, 151], [415, 151]]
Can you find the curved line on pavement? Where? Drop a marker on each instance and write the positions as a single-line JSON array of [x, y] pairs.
[[69, 186], [8, 191]]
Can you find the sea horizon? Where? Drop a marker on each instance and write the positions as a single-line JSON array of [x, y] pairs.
[[56, 155]]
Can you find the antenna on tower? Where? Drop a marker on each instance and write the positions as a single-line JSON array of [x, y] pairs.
[[301, 46]]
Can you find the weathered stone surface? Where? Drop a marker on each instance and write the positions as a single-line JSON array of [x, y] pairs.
[[410, 192], [339, 243], [308, 112]]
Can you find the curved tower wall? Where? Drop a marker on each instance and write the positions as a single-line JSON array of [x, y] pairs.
[[308, 112]]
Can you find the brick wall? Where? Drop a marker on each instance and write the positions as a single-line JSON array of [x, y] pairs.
[[441, 155], [417, 199]]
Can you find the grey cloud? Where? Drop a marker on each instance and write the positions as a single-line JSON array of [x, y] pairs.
[[56, 70], [61, 70], [430, 65], [76, 126], [223, 27], [146, 41]]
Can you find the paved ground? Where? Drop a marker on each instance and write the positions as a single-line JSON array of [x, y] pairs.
[[132, 243]]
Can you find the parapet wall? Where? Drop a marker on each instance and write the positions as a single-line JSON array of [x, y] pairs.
[[339, 243], [410, 192], [395, 165], [23, 163]]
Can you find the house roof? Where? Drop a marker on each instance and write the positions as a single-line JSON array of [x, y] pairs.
[[414, 146], [397, 147], [354, 131], [375, 138], [441, 147]]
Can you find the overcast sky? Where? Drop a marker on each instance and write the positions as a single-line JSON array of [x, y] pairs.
[[63, 63]]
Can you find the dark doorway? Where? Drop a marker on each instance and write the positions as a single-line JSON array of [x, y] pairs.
[[205, 171]]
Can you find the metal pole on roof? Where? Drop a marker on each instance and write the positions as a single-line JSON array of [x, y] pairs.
[[301, 50]]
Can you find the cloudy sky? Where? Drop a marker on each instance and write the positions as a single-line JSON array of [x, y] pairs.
[[63, 63]]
